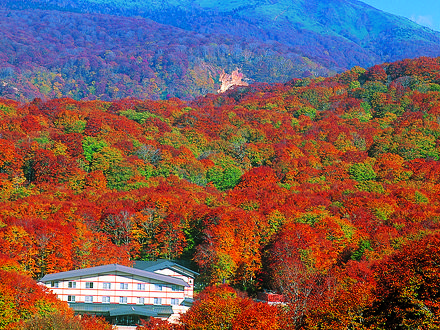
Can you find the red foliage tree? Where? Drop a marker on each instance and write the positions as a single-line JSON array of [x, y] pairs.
[[157, 324], [299, 268], [221, 307], [375, 73], [21, 298], [407, 293]]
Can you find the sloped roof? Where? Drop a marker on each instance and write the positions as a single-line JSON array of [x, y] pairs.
[[117, 310], [188, 302], [112, 269], [162, 264]]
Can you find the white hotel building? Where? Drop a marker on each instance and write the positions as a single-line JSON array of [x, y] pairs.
[[124, 295]]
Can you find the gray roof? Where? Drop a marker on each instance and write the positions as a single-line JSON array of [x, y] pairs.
[[188, 302], [113, 269], [162, 264], [117, 309]]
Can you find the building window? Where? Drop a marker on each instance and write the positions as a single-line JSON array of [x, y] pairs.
[[158, 287], [176, 288], [157, 301], [141, 300], [71, 285], [122, 300], [89, 299], [106, 286], [106, 300], [190, 281], [174, 301], [141, 286], [89, 285], [123, 286], [71, 298], [55, 284]]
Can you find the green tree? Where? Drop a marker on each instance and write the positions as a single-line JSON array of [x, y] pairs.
[[224, 178], [91, 145], [362, 172]]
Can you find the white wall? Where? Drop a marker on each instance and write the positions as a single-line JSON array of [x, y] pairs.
[[115, 292]]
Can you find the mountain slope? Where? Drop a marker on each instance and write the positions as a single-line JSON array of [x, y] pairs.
[[345, 33], [347, 24], [54, 54], [192, 42]]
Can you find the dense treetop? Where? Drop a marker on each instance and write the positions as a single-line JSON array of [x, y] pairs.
[[321, 189]]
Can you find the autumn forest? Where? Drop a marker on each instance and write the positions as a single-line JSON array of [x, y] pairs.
[[324, 190]]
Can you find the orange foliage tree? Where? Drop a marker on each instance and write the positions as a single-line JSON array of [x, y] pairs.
[[221, 307], [407, 293]]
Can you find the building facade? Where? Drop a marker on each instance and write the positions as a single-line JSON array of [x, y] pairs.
[[124, 295], [174, 270]]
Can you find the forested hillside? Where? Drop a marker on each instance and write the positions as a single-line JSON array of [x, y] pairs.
[[325, 190], [111, 49], [51, 54]]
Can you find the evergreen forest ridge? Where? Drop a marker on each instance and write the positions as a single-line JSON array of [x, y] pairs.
[[318, 179]]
